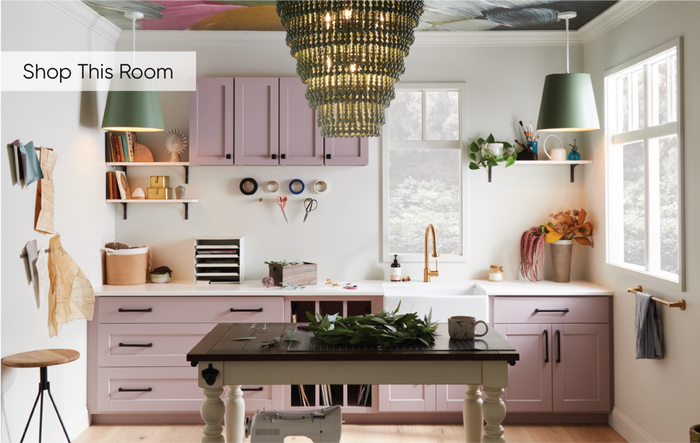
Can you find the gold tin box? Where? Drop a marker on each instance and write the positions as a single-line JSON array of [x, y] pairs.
[[160, 193], [160, 181]]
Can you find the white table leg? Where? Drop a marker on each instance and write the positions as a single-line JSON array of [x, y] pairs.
[[212, 412], [494, 412], [471, 413], [234, 419]]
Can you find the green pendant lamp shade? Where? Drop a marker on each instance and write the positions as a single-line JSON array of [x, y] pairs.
[[134, 111], [568, 104], [349, 54]]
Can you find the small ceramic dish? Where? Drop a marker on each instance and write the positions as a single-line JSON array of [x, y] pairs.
[[160, 278]]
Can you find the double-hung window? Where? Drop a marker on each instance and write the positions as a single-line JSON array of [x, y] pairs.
[[644, 166], [422, 171]]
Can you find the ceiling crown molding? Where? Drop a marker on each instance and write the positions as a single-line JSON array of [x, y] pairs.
[[196, 39], [494, 38], [612, 17], [84, 15]]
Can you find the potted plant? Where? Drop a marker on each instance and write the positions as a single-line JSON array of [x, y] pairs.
[[490, 153], [563, 228]]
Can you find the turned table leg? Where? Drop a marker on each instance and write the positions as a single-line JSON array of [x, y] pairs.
[[234, 419], [471, 413], [494, 412], [212, 412]]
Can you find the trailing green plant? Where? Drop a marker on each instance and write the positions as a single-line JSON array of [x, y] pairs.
[[486, 157], [385, 329], [282, 263]]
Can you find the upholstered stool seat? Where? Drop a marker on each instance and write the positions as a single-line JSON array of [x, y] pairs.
[[42, 359]]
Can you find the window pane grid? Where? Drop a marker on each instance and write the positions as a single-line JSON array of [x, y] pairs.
[[644, 222]]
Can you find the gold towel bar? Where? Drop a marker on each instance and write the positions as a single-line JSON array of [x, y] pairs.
[[678, 304]]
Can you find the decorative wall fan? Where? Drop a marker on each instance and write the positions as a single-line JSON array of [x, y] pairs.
[[175, 144]]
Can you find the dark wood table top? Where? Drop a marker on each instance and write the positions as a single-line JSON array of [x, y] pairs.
[[219, 345]]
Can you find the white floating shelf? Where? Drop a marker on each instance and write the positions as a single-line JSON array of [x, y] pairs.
[[185, 201], [185, 165], [570, 163]]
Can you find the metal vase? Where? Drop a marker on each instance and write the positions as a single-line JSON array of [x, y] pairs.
[[695, 434], [561, 260]]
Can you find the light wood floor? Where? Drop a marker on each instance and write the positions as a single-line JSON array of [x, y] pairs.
[[361, 434]]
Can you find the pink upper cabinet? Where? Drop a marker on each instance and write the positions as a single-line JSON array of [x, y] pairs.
[[301, 143], [211, 122], [347, 151], [256, 137]]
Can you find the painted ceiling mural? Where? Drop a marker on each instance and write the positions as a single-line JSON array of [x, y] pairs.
[[440, 15]]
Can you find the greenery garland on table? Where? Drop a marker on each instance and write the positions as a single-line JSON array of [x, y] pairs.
[[385, 329]]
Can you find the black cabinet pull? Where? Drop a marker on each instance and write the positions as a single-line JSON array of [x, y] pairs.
[[546, 346], [228, 156], [328, 156], [136, 390], [558, 347], [252, 389], [274, 156], [552, 310], [135, 310], [247, 310], [283, 156], [135, 345]]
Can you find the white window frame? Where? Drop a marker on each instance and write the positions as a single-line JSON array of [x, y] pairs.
[[387, 255], [614, 226]]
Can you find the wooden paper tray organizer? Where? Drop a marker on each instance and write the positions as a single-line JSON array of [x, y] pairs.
[[218, 260]]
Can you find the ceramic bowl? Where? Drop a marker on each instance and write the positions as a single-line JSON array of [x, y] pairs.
[[160, 278]]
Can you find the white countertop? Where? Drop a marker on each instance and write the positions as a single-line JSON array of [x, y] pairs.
[[364, 288], [542, 288], [247, 288]]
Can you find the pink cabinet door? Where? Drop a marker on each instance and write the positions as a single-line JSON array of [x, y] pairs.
[[580, 367], [301, 143], [256, 121], [406, 398], [530, 380], [450, 397], [211, 122], [347, 151]]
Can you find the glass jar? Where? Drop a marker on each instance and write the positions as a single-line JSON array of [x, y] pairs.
[[496, 273]]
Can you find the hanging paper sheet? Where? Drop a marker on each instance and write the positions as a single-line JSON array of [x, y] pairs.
[[43, 209]]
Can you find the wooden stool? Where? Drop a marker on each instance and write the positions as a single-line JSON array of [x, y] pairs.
[[41, 359]]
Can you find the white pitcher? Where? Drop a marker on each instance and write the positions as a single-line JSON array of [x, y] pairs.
[[557, 153]]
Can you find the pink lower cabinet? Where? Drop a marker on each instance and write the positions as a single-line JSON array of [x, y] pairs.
[[564, 360], [137, 347], [406, 398]]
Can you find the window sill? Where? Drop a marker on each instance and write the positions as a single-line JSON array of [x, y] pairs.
[[649, 277]]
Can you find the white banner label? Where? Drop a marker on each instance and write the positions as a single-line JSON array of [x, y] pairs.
[[99, 71]]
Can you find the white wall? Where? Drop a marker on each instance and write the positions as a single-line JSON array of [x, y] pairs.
[[68, 123], [344, 235], [654, 400]]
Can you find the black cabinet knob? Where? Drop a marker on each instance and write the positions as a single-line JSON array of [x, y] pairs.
[[274, 156], [328, 156], [283, 156], [228, 156]]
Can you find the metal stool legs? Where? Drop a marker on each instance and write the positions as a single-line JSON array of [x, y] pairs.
[[43, 386]]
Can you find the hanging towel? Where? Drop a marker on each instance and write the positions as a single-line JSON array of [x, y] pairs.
[[71, 296], [647, 325]]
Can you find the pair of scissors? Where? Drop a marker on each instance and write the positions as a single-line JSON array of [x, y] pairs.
[[310, 204], [282, 202]]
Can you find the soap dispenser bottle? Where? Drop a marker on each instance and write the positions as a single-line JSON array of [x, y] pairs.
[[395, 270]]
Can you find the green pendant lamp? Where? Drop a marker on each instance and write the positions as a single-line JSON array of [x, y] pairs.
[[349, 54], [133, 111], [568, 103]]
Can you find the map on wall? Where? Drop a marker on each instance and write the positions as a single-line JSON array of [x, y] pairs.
[[440, 15]]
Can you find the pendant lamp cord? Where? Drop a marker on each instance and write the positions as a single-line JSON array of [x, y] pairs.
[[133, 28], [567, 45]]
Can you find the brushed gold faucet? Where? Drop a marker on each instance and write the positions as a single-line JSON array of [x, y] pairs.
[[427, 273]]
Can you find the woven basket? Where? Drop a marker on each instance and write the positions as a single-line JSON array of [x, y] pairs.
[[127, 266]]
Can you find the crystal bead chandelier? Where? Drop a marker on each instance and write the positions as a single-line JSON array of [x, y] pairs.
[[349, 54]]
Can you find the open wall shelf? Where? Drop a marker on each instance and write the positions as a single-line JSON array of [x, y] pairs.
[[570, 163], [124, 165]]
